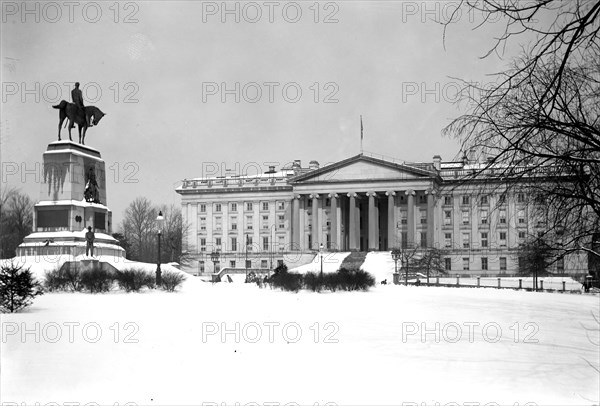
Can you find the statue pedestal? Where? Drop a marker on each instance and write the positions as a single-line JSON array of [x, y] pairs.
[[62, 216], [89, 264]]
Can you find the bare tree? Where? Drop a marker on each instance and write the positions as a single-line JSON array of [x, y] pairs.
[[140, 232], [139, 228], [538, 125], [16, 220]]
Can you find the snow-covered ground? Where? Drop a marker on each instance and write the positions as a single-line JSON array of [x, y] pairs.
[[390, 345]]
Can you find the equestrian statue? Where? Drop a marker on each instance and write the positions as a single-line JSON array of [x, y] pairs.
[[77, 113]]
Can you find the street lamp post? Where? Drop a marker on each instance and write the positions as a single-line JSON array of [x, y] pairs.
[[159, 221], [321, 254], [396, 255]]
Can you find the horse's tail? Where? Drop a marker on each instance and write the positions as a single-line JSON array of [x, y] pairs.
[[61, 105]]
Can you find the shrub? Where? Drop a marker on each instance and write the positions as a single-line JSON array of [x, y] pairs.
[[331, 281], [313, 281], [96, 280], [352, 279], [132, 280], [172, 280], [289, 281], [63, 279], [18, 288]]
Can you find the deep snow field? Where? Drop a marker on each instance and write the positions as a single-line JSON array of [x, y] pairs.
[[345, 348]]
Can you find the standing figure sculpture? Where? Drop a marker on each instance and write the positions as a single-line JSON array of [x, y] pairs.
[[78, 114], [90, 193], [89, 239]]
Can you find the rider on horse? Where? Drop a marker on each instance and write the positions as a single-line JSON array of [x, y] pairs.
[[77, 98]]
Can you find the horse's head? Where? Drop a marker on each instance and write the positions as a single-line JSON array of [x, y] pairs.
[[98, 116]]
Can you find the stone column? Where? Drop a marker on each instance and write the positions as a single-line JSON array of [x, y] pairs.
[[295, 235], [392, 243], [410, 221], [315, 229], [430, 217], [373, 234], [354, 226], [335, 222]]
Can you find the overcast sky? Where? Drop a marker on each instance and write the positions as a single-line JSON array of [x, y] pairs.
[[160, 70]]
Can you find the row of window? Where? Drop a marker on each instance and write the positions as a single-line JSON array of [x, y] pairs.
[[235, 245], [233, 223], [483, 200], [467, 261], [484, 217], [484, 238], [232, 264], [248, 206]]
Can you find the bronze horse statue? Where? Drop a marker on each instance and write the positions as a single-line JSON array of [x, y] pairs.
[[73, 113]]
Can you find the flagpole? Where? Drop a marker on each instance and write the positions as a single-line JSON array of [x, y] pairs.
[[361, 135]]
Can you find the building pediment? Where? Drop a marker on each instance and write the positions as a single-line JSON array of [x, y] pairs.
[[364, 168]]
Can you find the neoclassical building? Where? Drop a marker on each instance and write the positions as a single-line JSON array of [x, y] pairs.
[[363, 203]]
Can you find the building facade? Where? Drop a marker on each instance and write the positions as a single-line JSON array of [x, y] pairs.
[[363, 203]]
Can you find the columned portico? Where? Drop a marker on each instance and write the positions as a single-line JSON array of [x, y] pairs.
[[410, 221], [391, 229]]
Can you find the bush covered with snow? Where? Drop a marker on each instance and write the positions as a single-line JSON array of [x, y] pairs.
[[18, 288], [96, 280], [133, 280], [171, 280]]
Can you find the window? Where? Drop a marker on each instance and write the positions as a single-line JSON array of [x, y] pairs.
[[466, 217], [465, 200], [233, 207], [483, 200], [448, 240], [502, 238], [309, 202], [202, 223], [249, 243], [202, 208], [263, 263], [447, 264], [484, 264], [265, 241], [465, 264], [502, 198], [423, 216], [447, 217], [422, 199], [218, 223], [403, 216], [404, 239], [448, 200], [327, 202], [217, 207], [466, 240], [503, 263], [423, 239], [234, 243], [484, 240], [201, 266], [280, 205], [484, 216], [265, 222], [233, 222], [521, 235], [249, 206], [520, 197], [502, 216], [265, 206], [281, 242], [281, 221], [521, 216], [249, 222], [202, 244], [232, 264], [218, 242]]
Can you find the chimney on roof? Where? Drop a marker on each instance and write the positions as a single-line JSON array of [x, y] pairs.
[[271, 169], [313, 165], [437, 162], [296, 166]]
